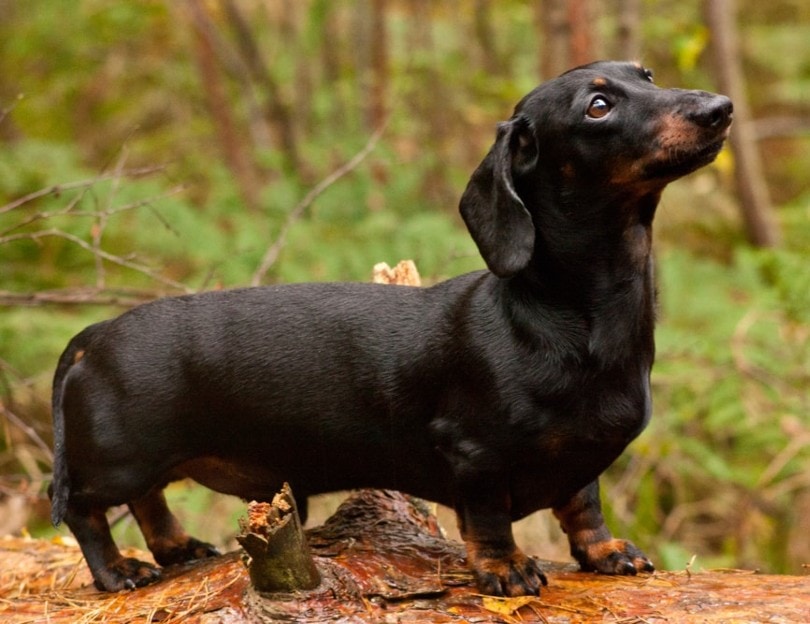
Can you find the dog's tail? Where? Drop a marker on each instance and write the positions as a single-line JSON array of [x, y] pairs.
[[59, 490]]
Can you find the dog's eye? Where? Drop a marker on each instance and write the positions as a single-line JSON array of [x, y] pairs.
[[598, 108]]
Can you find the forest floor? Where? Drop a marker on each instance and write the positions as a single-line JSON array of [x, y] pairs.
[[382, 559]]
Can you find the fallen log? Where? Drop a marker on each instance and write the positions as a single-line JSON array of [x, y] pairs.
[[382, 557]]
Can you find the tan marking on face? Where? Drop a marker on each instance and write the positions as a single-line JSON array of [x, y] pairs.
[[599, 82], [676, 132], [77, 357], [675, 136]]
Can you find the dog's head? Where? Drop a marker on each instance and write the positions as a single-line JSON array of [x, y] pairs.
[[597, 134]]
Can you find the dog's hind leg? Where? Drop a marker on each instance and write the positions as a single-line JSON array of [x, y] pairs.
[[163, 533], [110, 569], [592, 544]]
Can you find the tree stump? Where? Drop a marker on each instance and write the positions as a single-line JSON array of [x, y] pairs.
[[277, 552]]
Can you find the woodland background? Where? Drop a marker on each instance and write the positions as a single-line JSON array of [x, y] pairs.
[[158, 147]]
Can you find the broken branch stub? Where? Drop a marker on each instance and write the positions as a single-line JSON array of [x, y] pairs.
[[279, 559]]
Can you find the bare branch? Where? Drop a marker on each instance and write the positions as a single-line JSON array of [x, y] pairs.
[[126, 298], [97, 231], [57, 189], [273, 251], [100, 253], [27, 430], [108, 212], [100, 294], [4, 112]]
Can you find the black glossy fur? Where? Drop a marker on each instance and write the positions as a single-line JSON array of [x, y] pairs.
[[499, 392]]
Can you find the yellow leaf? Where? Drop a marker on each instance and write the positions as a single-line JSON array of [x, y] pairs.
[[506, 606], [724, 162], [64, 540], [689, 47]]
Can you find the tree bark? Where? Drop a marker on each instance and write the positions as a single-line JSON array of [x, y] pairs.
[[760, 224]]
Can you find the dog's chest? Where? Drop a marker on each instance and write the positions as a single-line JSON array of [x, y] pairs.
[[564, 445]]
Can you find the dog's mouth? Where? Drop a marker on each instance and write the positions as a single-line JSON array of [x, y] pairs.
[[675, 161], [688, 140]]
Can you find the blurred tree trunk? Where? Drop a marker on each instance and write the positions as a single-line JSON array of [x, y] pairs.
[[629, 29], [485, 37], [296, 16], [360, 46], [332, 56], [278, 111], [433, 103], [760, 224], [551, 22], [331, 36], [580, 20], [234, 152], [378, 93]]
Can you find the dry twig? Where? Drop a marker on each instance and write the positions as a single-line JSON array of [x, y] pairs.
[[57, 189], [273, 251], [100, 294]]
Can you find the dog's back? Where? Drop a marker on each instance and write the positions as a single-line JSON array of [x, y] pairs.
[[225, 375]]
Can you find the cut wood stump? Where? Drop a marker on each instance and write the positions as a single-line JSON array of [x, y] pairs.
[[277, 556], [382, 558]]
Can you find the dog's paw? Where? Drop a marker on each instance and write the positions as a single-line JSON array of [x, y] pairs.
[[614, 556], [514, 575], [126, 573], [191, 550]]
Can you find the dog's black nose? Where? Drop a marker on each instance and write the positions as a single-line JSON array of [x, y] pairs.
[[715, 113]]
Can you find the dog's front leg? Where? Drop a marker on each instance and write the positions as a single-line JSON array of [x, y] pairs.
[[592, 544], [500, 568]]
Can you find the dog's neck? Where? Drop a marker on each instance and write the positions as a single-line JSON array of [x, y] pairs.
[[606, 283], [595, 249]]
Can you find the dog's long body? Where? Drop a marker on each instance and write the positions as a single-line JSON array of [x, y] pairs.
[[498, 392]]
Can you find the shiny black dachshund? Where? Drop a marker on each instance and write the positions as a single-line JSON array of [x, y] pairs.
[[498, 393]]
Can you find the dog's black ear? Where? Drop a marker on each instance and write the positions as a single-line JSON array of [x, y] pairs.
[[494, 213]]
